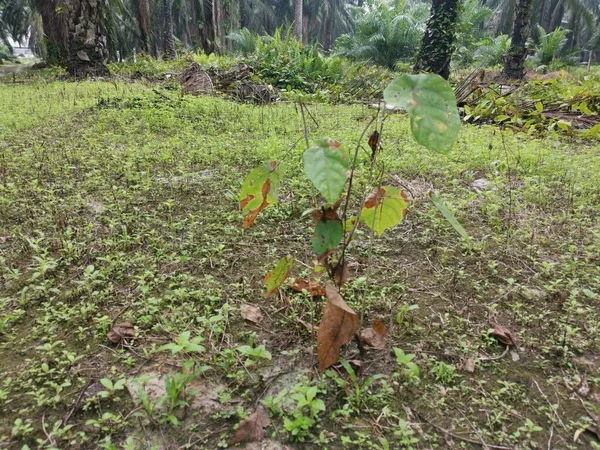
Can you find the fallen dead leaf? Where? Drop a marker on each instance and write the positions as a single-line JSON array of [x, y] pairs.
[[252, 428], [469, 365], [338, 326], [503, 335], [120, 332], [309, 285], [375, 336], [251, 313]]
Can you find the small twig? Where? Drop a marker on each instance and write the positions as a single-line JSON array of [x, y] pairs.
[[77, 402], [549, 404], [347, 203], [305, 125], [495, 358]]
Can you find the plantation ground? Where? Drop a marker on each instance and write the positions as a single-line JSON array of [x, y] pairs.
[[118, 203]]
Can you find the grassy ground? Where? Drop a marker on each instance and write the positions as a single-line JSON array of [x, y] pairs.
[[118, 203]]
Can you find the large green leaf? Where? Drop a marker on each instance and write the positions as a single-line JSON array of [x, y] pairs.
[[327, 237], [431, 106], [439, 204], [259, 190], [326, 165], [276, 277], [384, 208]]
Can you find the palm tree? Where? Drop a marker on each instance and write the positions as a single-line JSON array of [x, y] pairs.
[[298, 19], [385, 34], [218, 24], [143, 17], [514, 63], [438, 40], [169, 39], [55, 25], [88, 50]]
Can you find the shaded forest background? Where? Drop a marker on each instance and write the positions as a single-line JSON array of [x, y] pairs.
[[386, 33]]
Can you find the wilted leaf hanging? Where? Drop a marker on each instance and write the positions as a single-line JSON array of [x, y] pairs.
[[375, 336], [259, 190], [384, 208], [276, 277], [431, 106], [252, 428], [338, 326], [374, 143], [504, 335], [120, 332], [326, 165], [251, 313], [309, 285]]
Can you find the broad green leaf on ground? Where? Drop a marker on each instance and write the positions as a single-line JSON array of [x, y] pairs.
[[326, 165], [431, 106], [276, 277], [439, 204], [594, 131], [259, 190], [339, 324], [384, 208]]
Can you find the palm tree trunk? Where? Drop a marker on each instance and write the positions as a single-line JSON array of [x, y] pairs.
[[169, 40], [55, 23], [514, 63], [88, 50], [144, 24], [438, 40], [298, 16], [218, 25]]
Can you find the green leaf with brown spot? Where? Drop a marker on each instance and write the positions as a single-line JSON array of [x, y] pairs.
[[385, 208], [259, 190], [276, 277]]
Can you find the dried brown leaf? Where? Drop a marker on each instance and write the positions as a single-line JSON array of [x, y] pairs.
[[251, 313], [338, 326], [376, 336], [121, 332], [309, 285], [504, 335], [252, 428], [469, 365]]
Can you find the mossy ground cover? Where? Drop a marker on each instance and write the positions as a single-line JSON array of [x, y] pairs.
[[119, 203]]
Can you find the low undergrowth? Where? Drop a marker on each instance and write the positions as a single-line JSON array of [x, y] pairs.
[[132, 306]]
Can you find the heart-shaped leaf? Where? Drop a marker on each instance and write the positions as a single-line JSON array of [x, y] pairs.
[[326, 165], [384, 208], [431, 106]]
